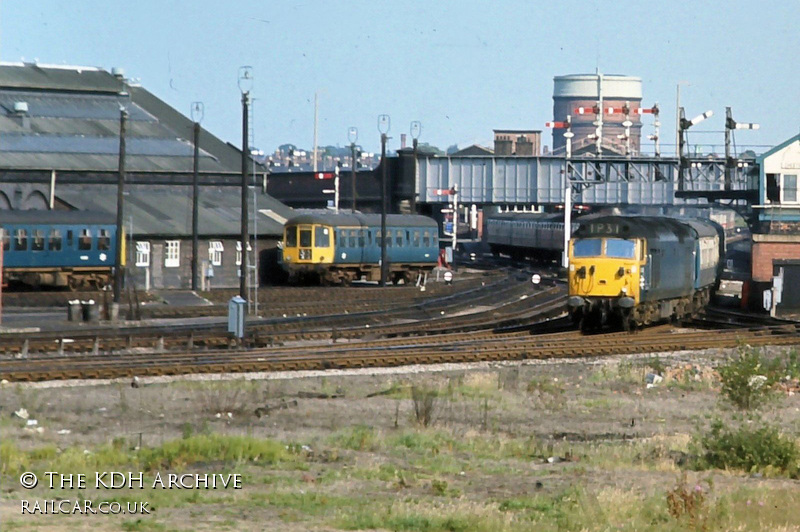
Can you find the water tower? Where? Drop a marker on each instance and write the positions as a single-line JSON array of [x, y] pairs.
[[593, 92]]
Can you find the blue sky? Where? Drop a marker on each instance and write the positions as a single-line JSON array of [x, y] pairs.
[[461, 68]]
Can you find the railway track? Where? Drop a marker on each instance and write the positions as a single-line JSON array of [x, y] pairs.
[[454, 347]]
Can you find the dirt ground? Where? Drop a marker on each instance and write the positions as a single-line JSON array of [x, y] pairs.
[[356, 438]]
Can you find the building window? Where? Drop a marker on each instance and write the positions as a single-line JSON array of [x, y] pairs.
[[215, 253], [789, 188], [239, 250], [143, 254], [172, 255]]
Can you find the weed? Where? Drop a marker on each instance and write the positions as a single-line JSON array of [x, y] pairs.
[[743, 379], [689, 505], [357, 438], [424, 399]]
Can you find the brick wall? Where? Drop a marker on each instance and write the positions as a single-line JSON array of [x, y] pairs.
[[765, 252]]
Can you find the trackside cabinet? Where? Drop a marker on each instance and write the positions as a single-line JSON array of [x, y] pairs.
[[237, 311]]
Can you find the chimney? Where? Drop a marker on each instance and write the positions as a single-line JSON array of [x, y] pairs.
[[402, 140], [21, 114]]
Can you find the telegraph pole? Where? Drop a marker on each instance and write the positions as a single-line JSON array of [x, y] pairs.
[[123, 121], [245, 85], [352, 136], [384, 124], [416, 129], [197, 116]]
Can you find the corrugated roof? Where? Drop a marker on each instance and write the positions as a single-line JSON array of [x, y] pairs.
[[72, 120], [167, 211]]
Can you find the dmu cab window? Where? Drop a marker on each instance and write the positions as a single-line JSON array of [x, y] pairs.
[[305, 238], [322, 237], [291, 237], [21, 240], [620, 249], [590, 247]]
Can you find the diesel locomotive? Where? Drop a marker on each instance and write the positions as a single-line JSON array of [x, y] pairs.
[[635, 270], [338, 248], [75, 249]]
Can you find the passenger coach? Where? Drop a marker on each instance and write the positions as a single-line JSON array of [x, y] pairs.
[[341, 248], [58, 248]]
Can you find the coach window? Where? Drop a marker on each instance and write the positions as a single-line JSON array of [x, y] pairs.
[[416, 239], [172, 254], [426, 239], [37, 243], [143, 254], [55, 240], [85, 241], [6, 239], [378, 238], [104, 240], [21, 240], [398, 239], [70, 239], [215, 252], [352, 238], [361, 240], [322, 237], [369, 237]]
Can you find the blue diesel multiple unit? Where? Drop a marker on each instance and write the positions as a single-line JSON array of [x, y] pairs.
[[58, 248], [341, 248]]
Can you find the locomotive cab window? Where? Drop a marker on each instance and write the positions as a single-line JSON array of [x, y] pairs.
[[589, 247], [55, 240], [37, 240], [620, 249], [291, 237], [322, 237], [104, 240], [85, 241], [21, 240]]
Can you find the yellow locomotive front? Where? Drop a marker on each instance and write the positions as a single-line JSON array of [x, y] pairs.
[[604, 277]]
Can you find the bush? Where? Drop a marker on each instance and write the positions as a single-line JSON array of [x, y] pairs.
[[748, 449], [743, 378], [689, 505]]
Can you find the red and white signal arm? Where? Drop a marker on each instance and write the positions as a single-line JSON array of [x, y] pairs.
[[324, 175], [643, 110], [556, 125], [443, 191]]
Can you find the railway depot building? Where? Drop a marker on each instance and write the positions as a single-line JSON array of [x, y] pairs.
[[59, 150]]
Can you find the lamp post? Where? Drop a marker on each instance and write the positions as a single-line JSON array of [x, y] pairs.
[[245, 85], [416, 130], [123, 121], [197, 117], [384, 125], [352, 136]]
